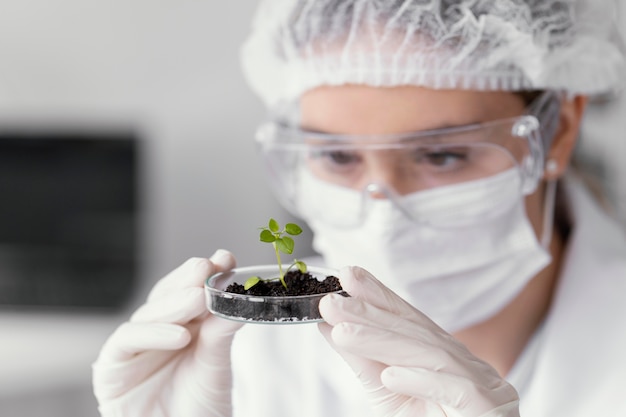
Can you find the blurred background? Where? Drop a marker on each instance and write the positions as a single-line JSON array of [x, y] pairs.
[[126, 147]]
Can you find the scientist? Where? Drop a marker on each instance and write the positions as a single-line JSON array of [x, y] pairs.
[[428, 144]]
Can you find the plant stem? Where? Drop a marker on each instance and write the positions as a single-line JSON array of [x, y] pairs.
[[280, 265]]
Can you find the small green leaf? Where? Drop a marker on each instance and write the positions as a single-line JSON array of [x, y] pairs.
[[301, 266], [293, 229], [267, 236], [251, 282], [274, 226], [285, 244]]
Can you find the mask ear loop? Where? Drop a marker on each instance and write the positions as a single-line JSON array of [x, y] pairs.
[[547, 108], [548, 205]]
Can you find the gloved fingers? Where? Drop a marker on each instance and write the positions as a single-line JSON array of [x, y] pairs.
[[366, 370], [369, 372], [396, 349], [114, 379], [360, 284], [383, 346], [413, 357], [215, 337], [179, 306], [211, 362], [223, 260], [131, 339], [467, 397], [134, 352], [336, 309], [193, 273], [370, 331]]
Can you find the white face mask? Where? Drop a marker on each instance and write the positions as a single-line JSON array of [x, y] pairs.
[[471, 255]]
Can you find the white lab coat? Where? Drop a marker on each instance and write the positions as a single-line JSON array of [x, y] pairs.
[[578, 364], [575, 365]]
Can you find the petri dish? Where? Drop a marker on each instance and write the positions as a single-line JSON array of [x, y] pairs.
[[263, 309]]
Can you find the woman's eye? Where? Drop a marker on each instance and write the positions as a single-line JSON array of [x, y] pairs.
[[337, 157], [442, 158]]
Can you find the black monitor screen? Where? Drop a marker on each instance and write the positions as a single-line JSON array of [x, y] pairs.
[[68, 218]]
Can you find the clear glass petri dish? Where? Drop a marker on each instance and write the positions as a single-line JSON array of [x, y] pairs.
[[263, 309]]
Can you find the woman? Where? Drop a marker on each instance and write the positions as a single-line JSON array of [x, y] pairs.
[[428, 143]]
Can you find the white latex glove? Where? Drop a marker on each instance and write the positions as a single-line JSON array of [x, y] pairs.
[[172, 358], [407, 364]]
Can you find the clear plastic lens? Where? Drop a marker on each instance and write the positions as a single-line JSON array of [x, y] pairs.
[[408, 169], [398, 165]]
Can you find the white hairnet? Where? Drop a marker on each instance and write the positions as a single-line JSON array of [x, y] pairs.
[[568, 45]]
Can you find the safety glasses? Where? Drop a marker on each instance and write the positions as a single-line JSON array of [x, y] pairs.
[[399, 165]]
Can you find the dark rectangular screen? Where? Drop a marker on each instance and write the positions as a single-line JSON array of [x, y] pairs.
[[68, 218]]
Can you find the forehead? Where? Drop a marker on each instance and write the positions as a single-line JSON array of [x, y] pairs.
[[357, 109]]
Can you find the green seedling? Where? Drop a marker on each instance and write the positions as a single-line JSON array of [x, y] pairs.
[[281, 243]]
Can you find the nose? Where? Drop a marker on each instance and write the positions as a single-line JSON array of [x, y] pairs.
[[377, 191], [386, 173]]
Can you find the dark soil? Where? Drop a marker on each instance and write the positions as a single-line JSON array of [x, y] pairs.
[[298, 283], [270, 302]]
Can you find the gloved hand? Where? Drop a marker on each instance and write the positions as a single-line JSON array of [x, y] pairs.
[[407, 364], [172, 358]]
